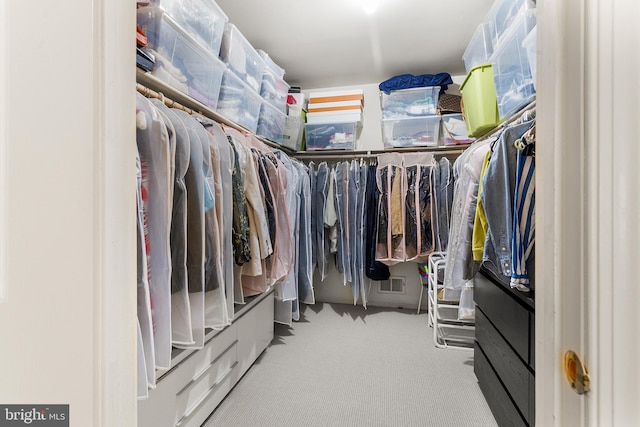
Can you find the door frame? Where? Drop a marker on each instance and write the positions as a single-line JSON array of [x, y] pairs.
[[588, 209]]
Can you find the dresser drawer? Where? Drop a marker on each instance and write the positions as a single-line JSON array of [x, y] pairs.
[[506, 314], [532, 341], [501, 405], [511, 370]]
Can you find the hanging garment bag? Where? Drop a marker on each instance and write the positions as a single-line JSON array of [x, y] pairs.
[[194, 180], [322, 189], [145, 322], [152, 138], [181, 332], [142, 389], [215, 304], [305, 266], [363, 170], [390, 245], [375, 270], [226, 162], [418, 231]]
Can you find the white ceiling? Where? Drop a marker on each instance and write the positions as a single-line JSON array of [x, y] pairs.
[[327, 43]]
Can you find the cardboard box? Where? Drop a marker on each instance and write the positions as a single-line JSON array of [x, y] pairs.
[[293, 132]]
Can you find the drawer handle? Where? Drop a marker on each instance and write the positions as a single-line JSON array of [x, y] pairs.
[[576, 372]]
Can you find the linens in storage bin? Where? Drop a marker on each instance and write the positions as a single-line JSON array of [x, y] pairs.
[[511, 72], [332, 136], [479, 49], [241, 57], [454, 130], [238, 102], [180, 62], [274, 90], [411, 132], [271, 122], [479, 100], [420, 101], [201, 19]]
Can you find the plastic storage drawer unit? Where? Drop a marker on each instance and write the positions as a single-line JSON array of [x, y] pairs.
[[271, 122], [479, 49], [529, 44], [238, 102], [502, 15], [201, 19], [454, 130], [332, 136], [241, 57], [181, 62], [275, 68], [421, 101], [274, 90], [479, 100], [411, 132], [511, 72]]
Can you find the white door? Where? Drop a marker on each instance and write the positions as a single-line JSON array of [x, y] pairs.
[[588, 256]]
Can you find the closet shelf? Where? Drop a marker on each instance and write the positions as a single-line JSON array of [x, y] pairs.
[[344, 154], [150, 86]]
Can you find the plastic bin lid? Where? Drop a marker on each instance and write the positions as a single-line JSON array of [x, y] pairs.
[[471, 71]]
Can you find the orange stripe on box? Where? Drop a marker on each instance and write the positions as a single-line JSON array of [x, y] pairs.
[[336, 98], [343, 108]]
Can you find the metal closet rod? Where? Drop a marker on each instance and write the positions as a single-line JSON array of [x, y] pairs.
[[373, 154], [150, 93]]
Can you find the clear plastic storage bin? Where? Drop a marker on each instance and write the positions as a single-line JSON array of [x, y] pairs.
[[332, 136], [420, 101], [411, 132], [238, 102], [277, 70], [271, 122], [479, 49], [274, 90], [454, 130], [241, 57], [181, 62], [529, 44], [201, 19], [502, 15], [511, 72]]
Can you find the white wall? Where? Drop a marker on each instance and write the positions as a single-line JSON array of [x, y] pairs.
[[332, 288], [67, 326]]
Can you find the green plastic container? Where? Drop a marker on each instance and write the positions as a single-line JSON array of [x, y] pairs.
[[479, 100]]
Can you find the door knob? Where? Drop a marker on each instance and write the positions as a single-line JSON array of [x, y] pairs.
[[576, 372]]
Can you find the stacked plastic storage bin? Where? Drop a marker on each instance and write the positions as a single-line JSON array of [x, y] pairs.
[[499, 79], [334, 119], [274, 92], [513, 20], [240, 99], [185, 36], [409, 117]]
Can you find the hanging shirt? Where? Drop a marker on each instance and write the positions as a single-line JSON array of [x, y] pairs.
[[498, 196], [524, 224]]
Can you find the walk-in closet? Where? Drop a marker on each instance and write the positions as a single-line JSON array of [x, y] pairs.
[[354, 213]]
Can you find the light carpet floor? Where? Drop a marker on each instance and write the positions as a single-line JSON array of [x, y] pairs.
[[342, 365]]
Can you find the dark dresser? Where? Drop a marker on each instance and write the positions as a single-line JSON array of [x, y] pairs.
[[504, 349]]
